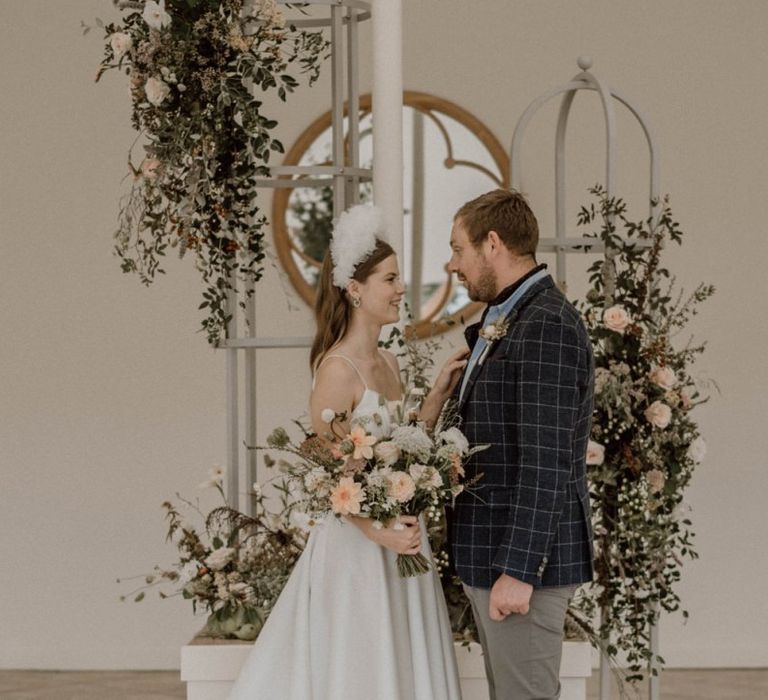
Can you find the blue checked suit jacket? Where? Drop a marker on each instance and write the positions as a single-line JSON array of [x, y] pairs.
[[531, 400]]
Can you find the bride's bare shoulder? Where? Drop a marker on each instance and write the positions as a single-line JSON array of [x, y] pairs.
[[336, 386]]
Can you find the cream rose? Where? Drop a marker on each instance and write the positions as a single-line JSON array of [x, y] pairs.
[[663, 377], [121, 43], [387, 453], [658, 414], [595, 453], [156, 91], [616, 318]]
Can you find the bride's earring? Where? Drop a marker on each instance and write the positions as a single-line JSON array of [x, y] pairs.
[[356, 302]]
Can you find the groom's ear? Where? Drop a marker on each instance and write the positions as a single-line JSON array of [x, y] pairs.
[[494, 242]]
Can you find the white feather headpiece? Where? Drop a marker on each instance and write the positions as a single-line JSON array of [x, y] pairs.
[[354, 239]]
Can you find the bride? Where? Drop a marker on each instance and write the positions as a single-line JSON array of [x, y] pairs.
[[346, 626]]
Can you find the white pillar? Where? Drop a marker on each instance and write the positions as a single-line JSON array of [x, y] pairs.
[[387, 18]]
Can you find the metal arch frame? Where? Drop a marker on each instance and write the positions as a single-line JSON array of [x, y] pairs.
[[345, 16], [561, 245]]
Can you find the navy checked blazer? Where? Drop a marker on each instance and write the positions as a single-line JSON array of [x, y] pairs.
[[531, 400]]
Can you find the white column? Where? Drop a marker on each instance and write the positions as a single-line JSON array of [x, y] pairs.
[[387, 18]]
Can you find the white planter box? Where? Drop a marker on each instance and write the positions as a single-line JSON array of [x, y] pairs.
[[209, 668]]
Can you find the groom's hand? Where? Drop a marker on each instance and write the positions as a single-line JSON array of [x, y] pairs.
[[509, 596]]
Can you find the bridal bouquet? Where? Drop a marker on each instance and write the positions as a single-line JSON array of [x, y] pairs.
[[404, 472]]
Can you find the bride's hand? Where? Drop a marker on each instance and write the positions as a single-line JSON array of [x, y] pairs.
[[450, 374], [402, 535]]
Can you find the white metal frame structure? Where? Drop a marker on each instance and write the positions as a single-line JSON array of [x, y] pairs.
[[344, 19], [561, 244]]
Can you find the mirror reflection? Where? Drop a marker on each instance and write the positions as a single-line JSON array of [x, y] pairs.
[[450, 157]]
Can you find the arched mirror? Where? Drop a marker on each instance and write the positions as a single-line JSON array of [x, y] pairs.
[[450, 158]]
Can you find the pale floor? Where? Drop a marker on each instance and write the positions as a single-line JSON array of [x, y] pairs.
[[712, 684]]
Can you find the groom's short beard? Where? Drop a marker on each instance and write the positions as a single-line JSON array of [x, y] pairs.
[[486, 287]]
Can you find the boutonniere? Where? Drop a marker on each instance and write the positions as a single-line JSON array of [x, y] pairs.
[[491, 333], [495, 331]]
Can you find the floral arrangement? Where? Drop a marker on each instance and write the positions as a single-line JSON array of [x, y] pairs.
[[194, 67], [235, 569], [404, 472], [645, 441]]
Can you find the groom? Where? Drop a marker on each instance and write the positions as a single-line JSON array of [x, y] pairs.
[[521, 537]]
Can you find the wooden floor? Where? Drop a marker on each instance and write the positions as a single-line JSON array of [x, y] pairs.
[[720, 684]]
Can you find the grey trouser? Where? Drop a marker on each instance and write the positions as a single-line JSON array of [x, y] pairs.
[[522, 652]]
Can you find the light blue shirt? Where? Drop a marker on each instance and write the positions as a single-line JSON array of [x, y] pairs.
[[494, 314]]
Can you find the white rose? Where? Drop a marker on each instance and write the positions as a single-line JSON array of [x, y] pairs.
[[658, 414], [219, 558], [155, 15], [663, 377], [616, 318], [156, 91], [454, 436], [595, 453], [387, 453], [121, 43], [327, 415], [697, 450]]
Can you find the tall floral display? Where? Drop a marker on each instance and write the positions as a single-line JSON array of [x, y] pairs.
[[195, 68], [645, 441]]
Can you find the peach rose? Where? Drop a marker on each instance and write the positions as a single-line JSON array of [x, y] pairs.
[[150, 168], [616, 318], [595, 453], [401, 486], [656, 480], [663, 377], [658, 414], [347, 497]]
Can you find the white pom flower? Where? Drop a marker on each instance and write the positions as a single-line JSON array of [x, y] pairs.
[[412, 439], [354, 239], [327, 415], [454, 436]]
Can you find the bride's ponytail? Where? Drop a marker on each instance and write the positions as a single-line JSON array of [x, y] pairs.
[[333, 308]]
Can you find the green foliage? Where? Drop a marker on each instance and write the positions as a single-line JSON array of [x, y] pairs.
[[206, 137], [645, 442]]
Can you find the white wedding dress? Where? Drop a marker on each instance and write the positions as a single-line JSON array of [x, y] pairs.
[[347, 627]]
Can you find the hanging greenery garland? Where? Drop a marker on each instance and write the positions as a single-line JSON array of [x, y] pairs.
[[194, 68]]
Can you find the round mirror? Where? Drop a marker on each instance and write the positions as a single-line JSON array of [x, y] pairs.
[[450, 158]]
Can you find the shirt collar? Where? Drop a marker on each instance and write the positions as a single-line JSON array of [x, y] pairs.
[[510, 290]]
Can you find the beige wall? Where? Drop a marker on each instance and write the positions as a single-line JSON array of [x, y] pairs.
[[111, 402]]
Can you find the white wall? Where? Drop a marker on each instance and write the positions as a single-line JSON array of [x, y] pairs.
[[111, 401]]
